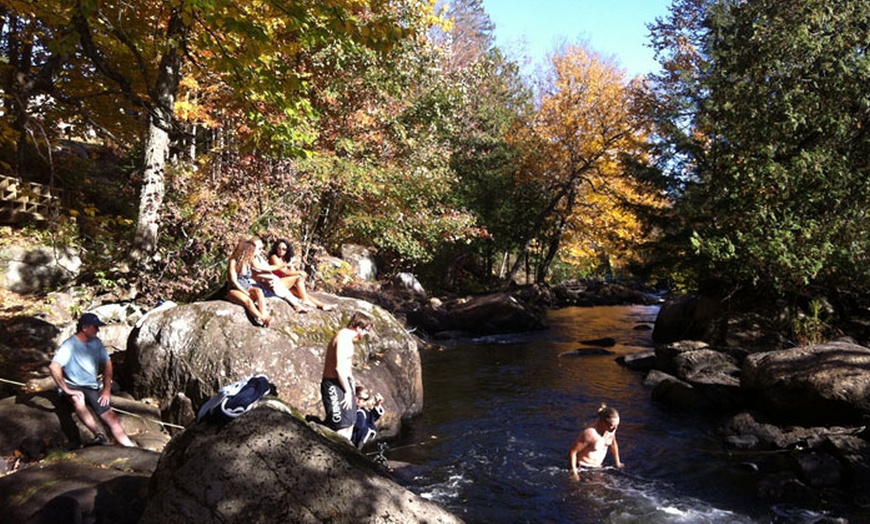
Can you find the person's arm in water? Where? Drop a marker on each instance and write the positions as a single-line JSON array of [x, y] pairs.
[[579, 447], [614, 448]]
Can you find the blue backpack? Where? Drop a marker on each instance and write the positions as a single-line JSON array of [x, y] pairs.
[[236, 399]]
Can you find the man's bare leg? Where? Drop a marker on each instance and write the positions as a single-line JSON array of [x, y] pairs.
[[111, 420]]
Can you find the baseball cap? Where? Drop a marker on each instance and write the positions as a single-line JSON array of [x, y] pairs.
[[90, 319]]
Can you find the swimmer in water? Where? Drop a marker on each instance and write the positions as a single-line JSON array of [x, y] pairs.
[[591, 445]]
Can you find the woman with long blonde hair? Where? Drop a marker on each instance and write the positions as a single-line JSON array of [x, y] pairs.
[[241, 288]]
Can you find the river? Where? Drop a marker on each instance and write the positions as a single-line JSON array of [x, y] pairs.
[[501, 412]]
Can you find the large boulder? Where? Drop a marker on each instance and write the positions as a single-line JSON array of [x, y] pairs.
[[491, 314], [36, 269], [27, 345], [195, 349], [97, 484], [822, 384], [686, 317], [361, 260], [269, 466]]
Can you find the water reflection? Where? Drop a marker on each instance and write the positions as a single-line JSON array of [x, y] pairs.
[[501, 413]]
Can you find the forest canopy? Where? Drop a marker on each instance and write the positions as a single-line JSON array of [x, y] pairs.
[[174, 128]]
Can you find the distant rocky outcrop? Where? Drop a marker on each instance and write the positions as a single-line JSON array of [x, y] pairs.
[[269, 466], [596, 292], [186, 353], [490, 314]]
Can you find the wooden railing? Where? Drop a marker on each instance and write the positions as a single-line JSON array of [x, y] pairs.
[[21, 200]]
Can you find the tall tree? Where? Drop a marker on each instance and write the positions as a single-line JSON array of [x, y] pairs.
[[585, 122], [775, 175], [142, 53]]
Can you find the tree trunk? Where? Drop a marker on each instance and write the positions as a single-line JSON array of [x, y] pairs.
[[151, 197], [160, 122], [556, 239]]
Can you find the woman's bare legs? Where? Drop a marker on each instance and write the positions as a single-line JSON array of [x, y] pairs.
[[247, 301], [258, 295], [298, 289]]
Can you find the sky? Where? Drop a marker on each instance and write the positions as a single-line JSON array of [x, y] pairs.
[[612, 28]]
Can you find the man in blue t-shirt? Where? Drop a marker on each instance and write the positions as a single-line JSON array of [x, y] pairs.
[[76, 368]]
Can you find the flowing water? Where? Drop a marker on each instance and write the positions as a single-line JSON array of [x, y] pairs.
[[501, 413]]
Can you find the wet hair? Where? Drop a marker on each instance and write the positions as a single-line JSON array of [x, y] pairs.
[[360, 320], [606, 413], [288, 255]]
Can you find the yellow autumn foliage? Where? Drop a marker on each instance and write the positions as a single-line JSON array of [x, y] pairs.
[[584, 125]]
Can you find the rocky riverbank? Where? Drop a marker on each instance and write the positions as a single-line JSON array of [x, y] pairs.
[[794, 419], [169, 361]]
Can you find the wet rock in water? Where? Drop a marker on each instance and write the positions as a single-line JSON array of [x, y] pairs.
[[644, 360], [270, 466], [604, 342], [492, 314], [586, 352]]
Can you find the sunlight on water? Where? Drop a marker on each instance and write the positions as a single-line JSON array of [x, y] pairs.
[[501, 413]]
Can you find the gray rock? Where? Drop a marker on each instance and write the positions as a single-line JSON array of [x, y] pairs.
[[745, 426], [817, 384], [38, 423], [681, 394], [38, 269], [742, 442], [197, 348], [666, 354], [655, 376], [97, 484], [361, 260], [586, 352], [604, 342], [408, 283], [819, 470], [490, 314], [269, 466], [27, 345], [644, 360], [711, 373]]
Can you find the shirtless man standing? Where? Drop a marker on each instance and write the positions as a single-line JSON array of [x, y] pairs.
[[591, 446], [337, 388]]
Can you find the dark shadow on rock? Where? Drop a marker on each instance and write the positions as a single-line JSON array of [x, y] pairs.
[[28, 344]]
